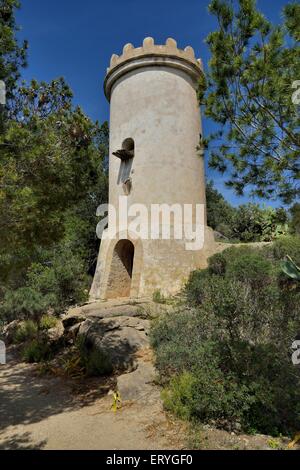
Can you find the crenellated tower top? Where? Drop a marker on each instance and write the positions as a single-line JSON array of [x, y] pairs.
[[152, 54]]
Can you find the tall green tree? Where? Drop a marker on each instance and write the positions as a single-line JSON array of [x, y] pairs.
[[248, 94], [220, 214], [295, 218], [52, 178], [13, 54], [51, 172]]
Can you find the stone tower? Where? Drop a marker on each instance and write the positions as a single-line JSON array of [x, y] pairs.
[[155, 126]]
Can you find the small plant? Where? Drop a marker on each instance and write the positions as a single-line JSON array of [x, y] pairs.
[[47, 322], [294, 441], [158, 297], [26, 331], [94, 361], [44, 368], [72, 365], [36, 351], [273, 444], [290, 268], [179, 396]]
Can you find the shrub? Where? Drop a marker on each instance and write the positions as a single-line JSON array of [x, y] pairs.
[[179, 396], [289, 245], [250, 267], [295, 219], [248, 222], [57, 283], [253, 223], [94, 361], [36, 351], [205, 395], [217, 264], [61, 279], [23, 303], [226, 359], [47, 322], [97, 363], [26, 330], [158, 297]]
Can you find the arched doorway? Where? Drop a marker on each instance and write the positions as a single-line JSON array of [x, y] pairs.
[[120, 275]]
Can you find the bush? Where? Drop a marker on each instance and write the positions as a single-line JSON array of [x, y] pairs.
[[94, 361], [47, 322], [26, 330], [295, 219], [252, 223], [36, 351], [225, 358], [289, 245], [23, 303], [250, 267], [55, 284], [61, 279], [158, 297]]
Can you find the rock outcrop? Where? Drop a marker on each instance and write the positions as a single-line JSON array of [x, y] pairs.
[[118, 338]]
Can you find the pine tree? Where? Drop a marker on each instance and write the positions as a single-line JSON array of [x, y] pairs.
[[12, 54], [248, 93], [52, 178]]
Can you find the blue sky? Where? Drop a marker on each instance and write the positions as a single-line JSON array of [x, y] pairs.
[[75, 39]]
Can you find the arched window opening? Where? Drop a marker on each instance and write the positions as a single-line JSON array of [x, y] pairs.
[[126, 154], [127, 150]]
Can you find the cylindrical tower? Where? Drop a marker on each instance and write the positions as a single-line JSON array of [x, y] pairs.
[[155, 126]]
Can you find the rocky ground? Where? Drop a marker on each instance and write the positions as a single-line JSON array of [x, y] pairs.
[[52, 411]]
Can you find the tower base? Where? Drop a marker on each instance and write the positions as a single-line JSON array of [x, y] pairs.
[[128, 266]]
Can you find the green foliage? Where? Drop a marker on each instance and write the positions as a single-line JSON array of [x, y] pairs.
[[36, 351], [179, 397], [249, 267], [47, 322], [61, 278], [248, 93], [12, 54], [23, 303], [289, 245], [225, 357], [291, 269], [295, 219], [158, 297], [220, 213], [27, 330], [246, 223], [94, 361], [252, 223], [52, 178]]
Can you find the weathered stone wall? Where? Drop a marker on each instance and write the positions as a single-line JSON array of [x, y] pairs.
[[153, 100]]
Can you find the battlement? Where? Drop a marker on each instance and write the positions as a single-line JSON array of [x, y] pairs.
[[149, 48], [151, 54]]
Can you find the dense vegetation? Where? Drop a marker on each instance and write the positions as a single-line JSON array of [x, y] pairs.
[[52, 179], [249, 91], [248, 222], [225, 355]]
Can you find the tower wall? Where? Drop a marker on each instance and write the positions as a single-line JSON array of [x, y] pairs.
[[157, 107], [152, 93]]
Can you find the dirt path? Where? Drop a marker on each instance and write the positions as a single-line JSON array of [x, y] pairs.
[[45, 413]]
